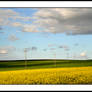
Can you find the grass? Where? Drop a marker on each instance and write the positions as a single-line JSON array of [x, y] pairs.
[[39, 64]]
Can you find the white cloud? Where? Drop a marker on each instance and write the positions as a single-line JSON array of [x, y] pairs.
[[13, 37], [8, 12], [16, 24], [29, 28], [3, 51], [7, 52], [6, 49], [7, 16], [83, 54], [22, 18]]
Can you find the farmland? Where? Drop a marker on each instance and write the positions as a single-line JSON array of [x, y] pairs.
[[38, 64], [73, 75], [46, 72]]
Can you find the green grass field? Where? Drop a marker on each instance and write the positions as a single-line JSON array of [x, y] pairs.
[[38, 64]]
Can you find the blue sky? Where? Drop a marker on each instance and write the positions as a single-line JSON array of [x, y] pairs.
[[45, 29]]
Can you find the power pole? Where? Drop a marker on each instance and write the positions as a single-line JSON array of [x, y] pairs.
[[55, 59], [25, 54], [54, 55], [67, 55]]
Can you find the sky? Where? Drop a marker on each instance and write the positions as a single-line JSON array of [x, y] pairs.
[[45, 33]]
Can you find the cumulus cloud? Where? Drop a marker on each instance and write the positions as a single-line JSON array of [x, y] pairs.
[[65, 20], [29, 28], [22, 18], [6, 50], [16, 24], [3, 51], [8, 16], [5, 15], [83, 54], [71, 21], [13, 37], [8, 12]]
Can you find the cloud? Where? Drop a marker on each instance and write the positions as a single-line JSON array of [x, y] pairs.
[[27, 49], [3, 51], [29, 28], [1, 28], [16, 24], [8, 12], [72, 21], [1, 32], [51, 45], [76, 44], [34, 48], [52, 48], [22, 18], [6, 50], [13, 37], [6, 15], [44, 49], [61, 46], [83, 54], [65, 47], [9, 17]]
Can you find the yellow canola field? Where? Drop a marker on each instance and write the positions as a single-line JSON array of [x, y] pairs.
[[77, 75]]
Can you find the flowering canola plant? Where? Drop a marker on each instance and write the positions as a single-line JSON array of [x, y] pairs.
[[76, 75]]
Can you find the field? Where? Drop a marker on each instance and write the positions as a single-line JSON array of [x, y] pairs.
[[39, 64], [77, 75], [46, 72]]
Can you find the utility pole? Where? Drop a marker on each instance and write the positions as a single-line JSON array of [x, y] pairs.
[[25, 54], [53, 54], [67, 55], [55, 59]]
